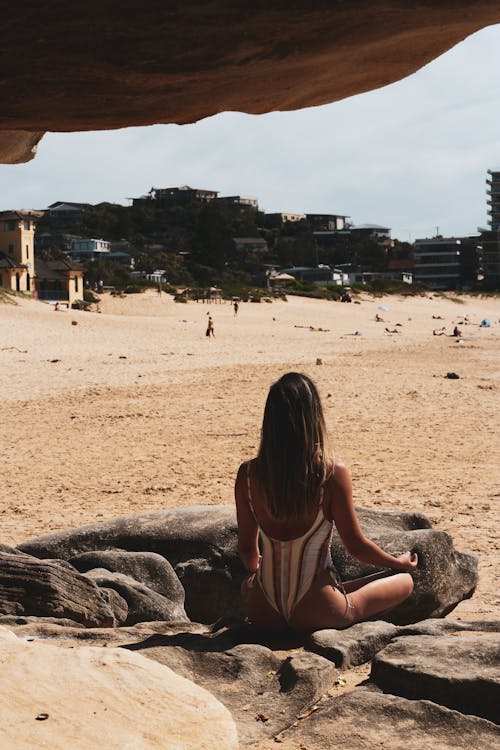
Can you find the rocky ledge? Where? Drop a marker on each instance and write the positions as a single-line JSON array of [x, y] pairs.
[[152, 585]]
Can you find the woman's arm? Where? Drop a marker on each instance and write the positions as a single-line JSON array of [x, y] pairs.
[[248, 531], [357, 544]]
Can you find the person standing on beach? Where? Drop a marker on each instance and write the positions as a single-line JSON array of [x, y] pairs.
[[210, 327], [236, 308]]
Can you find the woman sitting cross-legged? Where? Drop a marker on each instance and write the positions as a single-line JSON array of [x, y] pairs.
[[291, 496]]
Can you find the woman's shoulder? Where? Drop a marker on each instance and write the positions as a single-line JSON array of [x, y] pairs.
[[245, 467], [248, 463], [337, 473], [334, 467]]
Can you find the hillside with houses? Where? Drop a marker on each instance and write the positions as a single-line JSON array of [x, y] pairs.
[[194, 238]]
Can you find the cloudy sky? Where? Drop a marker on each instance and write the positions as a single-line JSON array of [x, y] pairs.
[[412, 156]]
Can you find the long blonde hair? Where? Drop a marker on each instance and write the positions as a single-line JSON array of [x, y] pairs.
[[291, 462]]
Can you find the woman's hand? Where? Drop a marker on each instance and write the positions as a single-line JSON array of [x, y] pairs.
[[408, 560]]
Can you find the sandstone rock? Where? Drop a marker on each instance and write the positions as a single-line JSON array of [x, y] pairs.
[[142, 602], [443, 577], [462, 673], [14, 621], [153, 64], [364, 720], [62, 634], [263, 692], [200, 543], [117, 604], [444, 627], [149, 568], [352, 646], [10, 550], [104, 698], [40, 587], [18, 146]]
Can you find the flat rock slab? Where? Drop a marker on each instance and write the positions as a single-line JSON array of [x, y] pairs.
[[264, 692], [365, 720], [352, 646], [461, 672], [445, 627], [91, 698]]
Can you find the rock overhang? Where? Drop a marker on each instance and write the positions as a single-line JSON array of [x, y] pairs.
[[109, 65]]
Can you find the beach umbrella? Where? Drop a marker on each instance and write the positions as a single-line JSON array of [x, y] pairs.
[[283, 277]]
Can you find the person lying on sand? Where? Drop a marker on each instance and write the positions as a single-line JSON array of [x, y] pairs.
[[394, 330], [291, 495]]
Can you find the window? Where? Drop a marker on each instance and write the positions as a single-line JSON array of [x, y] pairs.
[[76, 283], [11, 249], [10, 226], [27, 251], [26, 224]]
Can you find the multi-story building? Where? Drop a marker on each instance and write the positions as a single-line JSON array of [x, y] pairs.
[[89, 249], [328, 222], [437, 262], [493, 200], [66, 213], [20, 271], [490, 238], [489, 257], [161, 197], [60, 240], [287, 216], [17, 263], [375, 232], [244, 201]]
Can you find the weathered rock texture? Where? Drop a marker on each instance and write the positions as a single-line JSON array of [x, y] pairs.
[[363, 720], [110, 65], [44, 587], [352, 646], [89, 698], [142, 602], [458, 672], [200, 543], [263, 692], [149, 568], [272, 689]]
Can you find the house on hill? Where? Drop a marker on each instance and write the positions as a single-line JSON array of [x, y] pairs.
[[89, 249], [171, 196], [328, 222], [17, 232], [58, 281], [20, 271], [66, 213], [250, 244]]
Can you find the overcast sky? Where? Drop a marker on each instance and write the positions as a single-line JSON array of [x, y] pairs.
[[412, 156]]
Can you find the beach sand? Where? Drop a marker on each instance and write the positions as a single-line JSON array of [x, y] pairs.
[[134, 409]]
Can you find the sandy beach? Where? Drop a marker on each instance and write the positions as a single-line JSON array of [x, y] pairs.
[[135, 409]]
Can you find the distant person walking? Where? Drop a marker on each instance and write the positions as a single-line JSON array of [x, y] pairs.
[[236, 307], [210, 327]]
